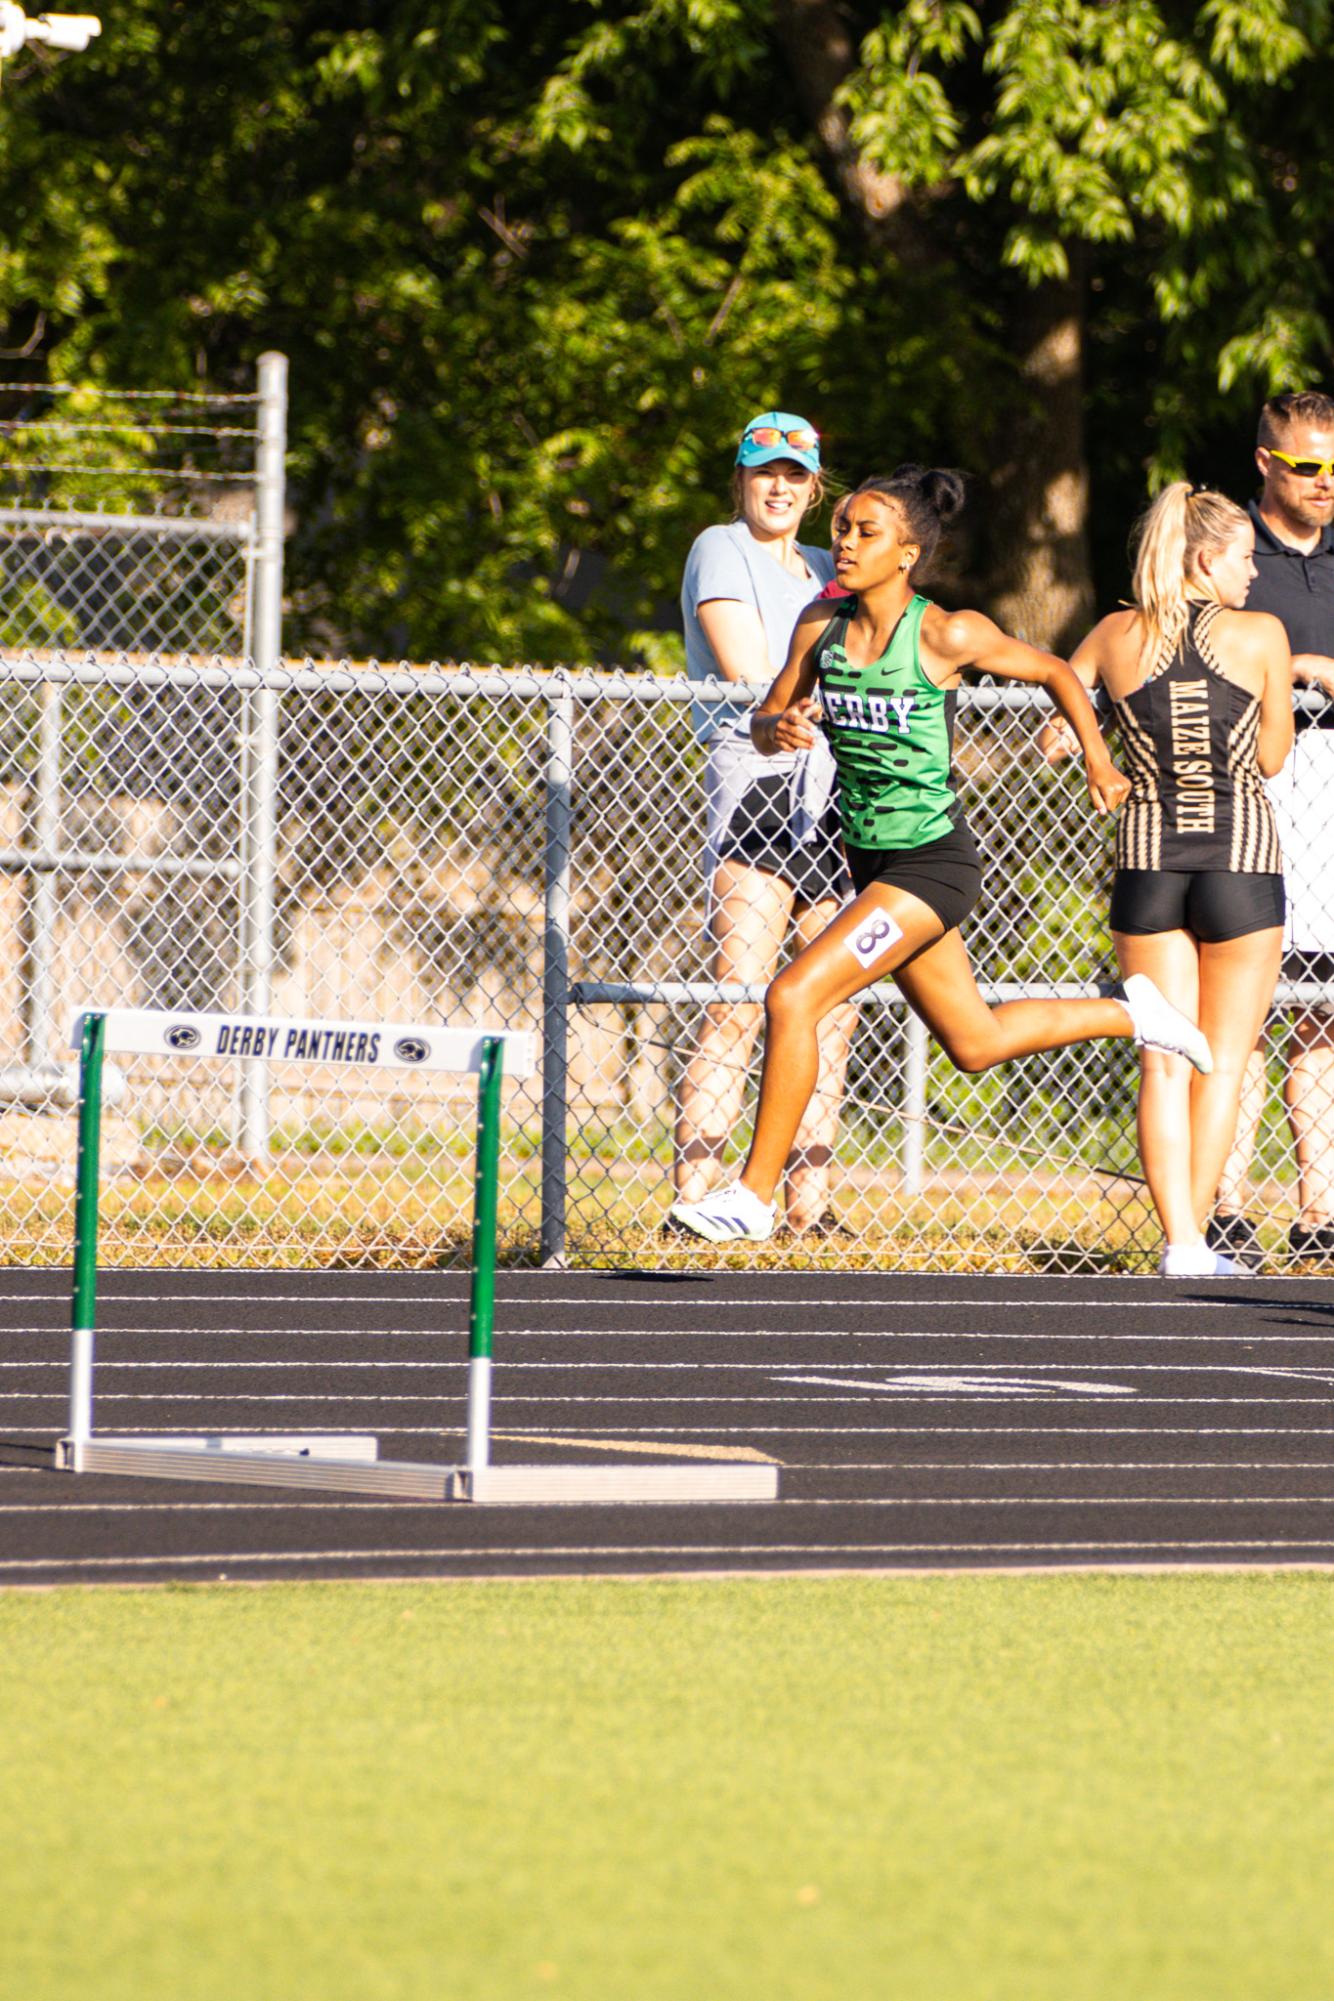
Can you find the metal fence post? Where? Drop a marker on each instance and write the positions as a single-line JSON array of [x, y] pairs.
[[43, 893], [556, 968], [914, 1104], [259, 761]]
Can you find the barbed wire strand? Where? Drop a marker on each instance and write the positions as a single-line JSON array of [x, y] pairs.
[[128, 395], [127, 473], [65, 425]]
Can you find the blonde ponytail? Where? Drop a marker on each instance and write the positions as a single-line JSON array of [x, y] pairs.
[[1169, 538]]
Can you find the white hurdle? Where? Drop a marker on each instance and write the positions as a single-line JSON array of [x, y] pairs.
[[340, 1462]]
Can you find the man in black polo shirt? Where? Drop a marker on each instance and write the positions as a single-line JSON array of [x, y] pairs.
[[1294, 561]]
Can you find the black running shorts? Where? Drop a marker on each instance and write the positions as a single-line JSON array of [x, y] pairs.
[[760, 834], [946, 874], [1212, 904]]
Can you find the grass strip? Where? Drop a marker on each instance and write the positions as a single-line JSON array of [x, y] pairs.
[[966, 1787]]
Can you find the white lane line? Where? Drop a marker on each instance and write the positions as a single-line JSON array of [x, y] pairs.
[[542, 1397], [621, 1303], [965, 1468], [197, 1335], [968, 1375], [1114, 1466], [58, 1508], [1312, 1372], [514, 1367], [602, 1551], [1057, 1501], [857, 1431], [111, 1295], [786, 1501]]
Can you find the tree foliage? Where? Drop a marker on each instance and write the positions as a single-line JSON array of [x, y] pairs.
[[534, 263]]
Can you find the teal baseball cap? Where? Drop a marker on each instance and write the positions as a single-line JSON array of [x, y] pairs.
[[779, 434]]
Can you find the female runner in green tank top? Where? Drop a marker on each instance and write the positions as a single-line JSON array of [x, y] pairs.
[[882, 676]]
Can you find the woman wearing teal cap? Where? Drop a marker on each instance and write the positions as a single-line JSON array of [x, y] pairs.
[[773, 859]]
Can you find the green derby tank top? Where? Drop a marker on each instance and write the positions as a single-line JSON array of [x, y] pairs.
[[892, 734]]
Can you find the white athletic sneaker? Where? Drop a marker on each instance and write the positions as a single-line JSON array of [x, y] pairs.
[[1159, 1025], [1197, 1261], [726, 1215]]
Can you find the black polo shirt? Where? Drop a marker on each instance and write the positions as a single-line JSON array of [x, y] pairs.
[[1297, 588]]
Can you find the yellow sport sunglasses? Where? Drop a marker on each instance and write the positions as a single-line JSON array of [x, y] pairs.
[[1304, 468]]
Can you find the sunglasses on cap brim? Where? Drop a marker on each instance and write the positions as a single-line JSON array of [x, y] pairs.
[[804, 440]]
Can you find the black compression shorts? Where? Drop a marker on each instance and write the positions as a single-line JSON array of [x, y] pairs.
[[760, 834], [1212, 904], [946, 874]]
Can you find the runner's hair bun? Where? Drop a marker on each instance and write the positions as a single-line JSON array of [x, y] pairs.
[[940, 487]]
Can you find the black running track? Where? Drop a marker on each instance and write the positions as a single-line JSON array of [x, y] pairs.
[[919, 1421]]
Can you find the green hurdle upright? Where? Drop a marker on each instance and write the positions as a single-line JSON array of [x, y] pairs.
[[482, 1305], [348, 1464]]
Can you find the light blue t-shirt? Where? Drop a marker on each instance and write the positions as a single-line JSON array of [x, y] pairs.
[[728, 562]]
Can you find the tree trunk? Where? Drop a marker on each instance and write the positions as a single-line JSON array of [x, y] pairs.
[[1039, 569], [820, 56]]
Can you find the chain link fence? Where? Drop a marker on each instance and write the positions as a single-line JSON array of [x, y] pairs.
[[522, 849], [122, 584]]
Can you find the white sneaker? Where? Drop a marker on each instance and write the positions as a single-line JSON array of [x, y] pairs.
[[1196, 1261], [728, 1215], [1159, 1025]]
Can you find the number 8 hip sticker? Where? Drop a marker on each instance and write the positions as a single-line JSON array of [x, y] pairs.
[[874, 939]]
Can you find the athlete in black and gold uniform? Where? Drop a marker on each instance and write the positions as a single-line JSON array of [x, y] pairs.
[[1196, 846], [1202, 694], [881, 674]]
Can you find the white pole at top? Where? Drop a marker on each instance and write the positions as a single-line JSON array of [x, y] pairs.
[[59, 31], [259, 816]]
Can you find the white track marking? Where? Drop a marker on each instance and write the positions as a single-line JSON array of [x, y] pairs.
[[858, 1431], [989, 1501], [713, 1335], [619, 1303], [787, 1501], [747, 1398], [962, 1385], [1063, 1465], [638, 1551], [793, 1467], [59, 1510], [971, 1375], [965, 1468]]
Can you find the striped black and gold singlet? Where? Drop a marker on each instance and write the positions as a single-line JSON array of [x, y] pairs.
[[1189, 738]]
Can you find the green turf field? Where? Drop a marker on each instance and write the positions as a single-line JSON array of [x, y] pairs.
[[953, 1787]]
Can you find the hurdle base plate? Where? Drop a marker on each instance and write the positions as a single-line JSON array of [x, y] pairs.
[[256, 1462], [290, 1463], [298, 1445], [690, 1480]]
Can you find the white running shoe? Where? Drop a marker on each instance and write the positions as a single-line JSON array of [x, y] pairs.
[[1197, 1261], [728, 1215], [1159, 1025]]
